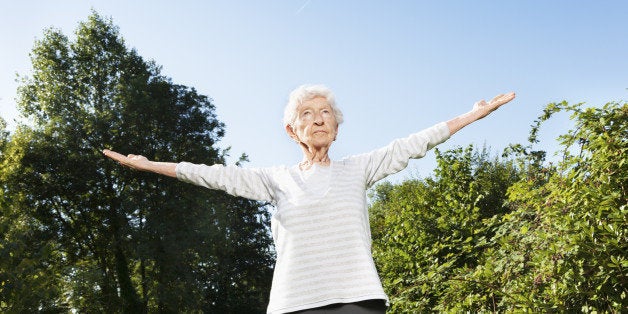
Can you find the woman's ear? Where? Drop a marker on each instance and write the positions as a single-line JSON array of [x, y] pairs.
[[291, 133]]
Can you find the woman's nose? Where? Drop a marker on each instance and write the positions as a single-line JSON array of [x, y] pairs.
[[318, 119]]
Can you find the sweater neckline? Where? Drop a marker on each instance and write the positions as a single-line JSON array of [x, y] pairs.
[[317, 180]]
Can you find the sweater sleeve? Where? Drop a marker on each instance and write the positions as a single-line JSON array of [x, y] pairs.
[[253, 184], [395, 156]]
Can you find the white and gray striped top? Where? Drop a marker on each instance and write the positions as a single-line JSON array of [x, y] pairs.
[[320, 225]]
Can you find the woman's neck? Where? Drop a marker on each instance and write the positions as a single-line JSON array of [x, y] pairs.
[[312, 157]]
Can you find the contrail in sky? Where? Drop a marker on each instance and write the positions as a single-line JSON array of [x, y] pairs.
[[302, 7]]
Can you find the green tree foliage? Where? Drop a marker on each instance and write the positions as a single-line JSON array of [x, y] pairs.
[[29, 272], [83, 233], [563, 247], [520, 235], [427, 232]]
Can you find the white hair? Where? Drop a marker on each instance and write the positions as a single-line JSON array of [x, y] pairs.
[[307, 92]]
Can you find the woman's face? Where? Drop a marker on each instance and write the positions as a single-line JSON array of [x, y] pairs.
[[315, 125]]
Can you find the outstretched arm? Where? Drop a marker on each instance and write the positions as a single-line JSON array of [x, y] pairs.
[[480, 110], [142, 163]]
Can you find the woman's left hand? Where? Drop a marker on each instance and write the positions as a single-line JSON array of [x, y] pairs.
[[483, 108], [480, 110]]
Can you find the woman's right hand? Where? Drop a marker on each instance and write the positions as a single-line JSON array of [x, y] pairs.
[[137, 162]]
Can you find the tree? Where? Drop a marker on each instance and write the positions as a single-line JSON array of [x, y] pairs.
[[125, 241], [520, 235], [427, 232], [563, 247], [29, 277]]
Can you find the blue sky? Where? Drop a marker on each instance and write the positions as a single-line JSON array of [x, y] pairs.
[[396, 67]]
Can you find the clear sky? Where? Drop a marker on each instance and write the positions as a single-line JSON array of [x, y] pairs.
[[396, 67]]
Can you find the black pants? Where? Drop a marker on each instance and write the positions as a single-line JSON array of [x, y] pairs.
[[362, 307]]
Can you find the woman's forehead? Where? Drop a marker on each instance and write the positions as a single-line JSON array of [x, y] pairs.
[[317, 101]]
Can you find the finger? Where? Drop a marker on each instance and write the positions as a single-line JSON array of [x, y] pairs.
[[497, 98], [503, 98], [113, 155], [508, 97]]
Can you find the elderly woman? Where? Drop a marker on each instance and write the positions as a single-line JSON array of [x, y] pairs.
[[320, 226]]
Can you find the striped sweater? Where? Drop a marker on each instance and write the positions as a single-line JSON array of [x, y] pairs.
[[320, 226]]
